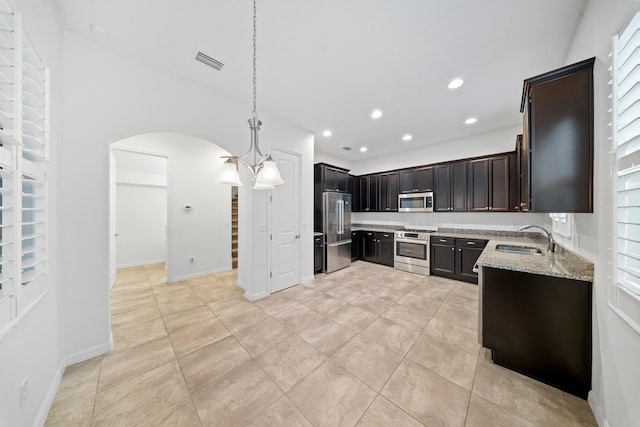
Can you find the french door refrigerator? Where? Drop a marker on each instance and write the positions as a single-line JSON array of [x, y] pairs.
[[336, 226]]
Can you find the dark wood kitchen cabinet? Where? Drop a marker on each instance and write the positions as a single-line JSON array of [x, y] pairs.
[[331, 178], [490, 188], [443, 256], [318, 254], [353, 188], [357, 238], [388, 192], [558, 131], [539, 326], [455, 257], [385, 248], [368, 193], [451, 187], [369, 246], [523, 200], [416, 180]]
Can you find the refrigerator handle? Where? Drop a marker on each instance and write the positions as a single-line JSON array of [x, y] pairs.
[[340, 216]]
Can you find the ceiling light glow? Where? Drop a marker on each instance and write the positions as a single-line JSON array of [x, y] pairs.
[[455, 83], [327, 133], [407, 137], [376, 114], [97, 30], [363, 149], [470, 121]]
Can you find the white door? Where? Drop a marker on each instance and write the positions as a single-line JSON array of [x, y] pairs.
[[285, 223], [112, 217]]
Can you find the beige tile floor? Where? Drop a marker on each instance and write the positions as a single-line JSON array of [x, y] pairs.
[[366, 346]]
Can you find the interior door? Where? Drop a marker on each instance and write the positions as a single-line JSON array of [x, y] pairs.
[[112, 217], [285, 223]]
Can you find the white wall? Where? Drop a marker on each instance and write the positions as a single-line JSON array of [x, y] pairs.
[[616, 347], [141, 208], [204, 231], [109, 97], [32, 348], [499, 141]]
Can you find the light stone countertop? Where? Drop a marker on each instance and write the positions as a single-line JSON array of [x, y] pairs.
[[563, 263], [317, 234]]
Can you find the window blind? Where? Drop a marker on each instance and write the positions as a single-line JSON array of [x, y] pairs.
[[626, 108]]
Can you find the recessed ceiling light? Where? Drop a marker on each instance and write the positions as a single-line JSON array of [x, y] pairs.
[[407, 137], [363, 149], [455, 83], [97, 30], [376, 114], [327, 133], [470, 121]]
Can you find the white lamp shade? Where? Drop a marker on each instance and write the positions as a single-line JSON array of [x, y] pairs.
[[269, 173], [229, 174], [261, 186]]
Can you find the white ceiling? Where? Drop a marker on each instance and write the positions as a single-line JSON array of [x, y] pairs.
[[326, 64]]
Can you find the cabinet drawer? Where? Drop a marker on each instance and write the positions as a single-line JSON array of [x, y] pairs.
[[317, 240], [472, 243], [443, 240]]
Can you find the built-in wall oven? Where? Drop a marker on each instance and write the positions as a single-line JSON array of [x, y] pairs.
[[411, 252]]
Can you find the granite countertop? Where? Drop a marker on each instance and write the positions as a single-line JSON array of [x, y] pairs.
[[317, 234], [563, 263]]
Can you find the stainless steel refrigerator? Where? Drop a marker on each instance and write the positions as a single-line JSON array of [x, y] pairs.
[[336, 226]]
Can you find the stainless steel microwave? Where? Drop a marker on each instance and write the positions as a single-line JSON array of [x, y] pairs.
[[415, 202]]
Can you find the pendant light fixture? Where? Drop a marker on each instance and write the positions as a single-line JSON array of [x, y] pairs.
[[264, 169]]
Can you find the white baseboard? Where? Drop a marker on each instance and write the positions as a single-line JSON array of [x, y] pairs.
[[255, 297], [41, 418], [306, 281], [596, 408], [72, 359], [200, 274], [141, 263]]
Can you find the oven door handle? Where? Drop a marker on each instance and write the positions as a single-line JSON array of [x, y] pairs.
[[414, 241]]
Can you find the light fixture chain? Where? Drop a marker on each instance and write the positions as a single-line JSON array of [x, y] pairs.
[[254, 114]]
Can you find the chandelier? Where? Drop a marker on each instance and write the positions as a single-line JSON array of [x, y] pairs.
[[263, 169]]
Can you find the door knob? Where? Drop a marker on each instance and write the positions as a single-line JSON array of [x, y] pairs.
[[297, 236]]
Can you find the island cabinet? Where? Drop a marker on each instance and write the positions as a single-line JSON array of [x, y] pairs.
[[451, 187], [539, 326], [490, 186], [416, 180], [368, 193], [558, 132], [388, 192]]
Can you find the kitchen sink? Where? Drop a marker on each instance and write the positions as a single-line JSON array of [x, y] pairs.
[[514, 249]]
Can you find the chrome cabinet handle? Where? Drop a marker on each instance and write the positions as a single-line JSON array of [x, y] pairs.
[[471, 243], [443, 240]]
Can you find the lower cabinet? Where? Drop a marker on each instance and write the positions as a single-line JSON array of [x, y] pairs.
[[373, 246], [318, 254], [455, 257], [539, 326]]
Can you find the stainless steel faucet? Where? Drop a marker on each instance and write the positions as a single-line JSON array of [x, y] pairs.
[[552, 244]]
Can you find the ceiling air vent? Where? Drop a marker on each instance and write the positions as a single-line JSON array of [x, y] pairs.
[[346, 148], [207, 60]]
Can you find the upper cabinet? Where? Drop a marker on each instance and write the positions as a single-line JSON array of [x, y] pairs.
[[416, 180], [558, 138], [388, 192], [331, 178], [368, 193], [490, 186], [451, 187]]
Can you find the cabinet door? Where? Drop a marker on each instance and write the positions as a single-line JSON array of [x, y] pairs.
[[459, 186], [561, 139], [330, 178], [408, 181], [356, 245], [443, 259], [442, 194], [353, 187], [523, 202], [388, 194], [385, 246], [363, 201], [318, 254], [479, 185], [373, 193], [424, 179], [467, 253], [369, 245], [499, 179], [341, 181]]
